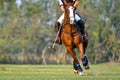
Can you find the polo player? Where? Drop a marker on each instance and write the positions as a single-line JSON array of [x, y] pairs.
[[78, 19]]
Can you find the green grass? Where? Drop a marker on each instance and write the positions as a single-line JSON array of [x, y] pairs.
[[58, 72]]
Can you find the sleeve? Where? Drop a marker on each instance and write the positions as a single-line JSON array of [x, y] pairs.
[[60, 2]]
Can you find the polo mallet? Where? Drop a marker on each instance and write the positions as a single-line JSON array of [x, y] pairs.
[[53, 45]]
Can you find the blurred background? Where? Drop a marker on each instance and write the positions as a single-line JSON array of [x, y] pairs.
[[27, 28]]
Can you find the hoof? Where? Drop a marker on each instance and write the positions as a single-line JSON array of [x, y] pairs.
[[87, 67], [81, 73], [75, 72], [52, 48]]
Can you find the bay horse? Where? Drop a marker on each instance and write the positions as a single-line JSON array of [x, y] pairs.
[[72, 38]]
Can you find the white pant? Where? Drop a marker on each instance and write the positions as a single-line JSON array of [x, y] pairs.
[[60, 20]]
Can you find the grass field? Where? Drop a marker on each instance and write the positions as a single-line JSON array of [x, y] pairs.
[[58, 72]]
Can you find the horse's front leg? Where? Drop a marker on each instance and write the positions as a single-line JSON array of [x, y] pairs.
[[76, 64], [81, 49]]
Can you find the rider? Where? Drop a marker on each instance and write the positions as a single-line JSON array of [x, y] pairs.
[[78, 19]]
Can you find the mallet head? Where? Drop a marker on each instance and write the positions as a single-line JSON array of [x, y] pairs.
[[52, 48]]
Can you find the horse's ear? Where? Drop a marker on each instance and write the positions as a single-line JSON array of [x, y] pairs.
[[65, 4]]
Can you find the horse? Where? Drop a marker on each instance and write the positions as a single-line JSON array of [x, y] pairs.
[[72, 38]]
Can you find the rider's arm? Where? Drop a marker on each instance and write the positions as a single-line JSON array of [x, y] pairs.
[[61, 5], [62, 8], [76, 3]]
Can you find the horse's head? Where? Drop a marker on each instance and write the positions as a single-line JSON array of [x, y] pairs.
[[69, 14]]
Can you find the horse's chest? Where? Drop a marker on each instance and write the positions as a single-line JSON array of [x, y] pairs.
[[69, 39]]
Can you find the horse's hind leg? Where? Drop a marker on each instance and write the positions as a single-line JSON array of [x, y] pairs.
[[85, 61]]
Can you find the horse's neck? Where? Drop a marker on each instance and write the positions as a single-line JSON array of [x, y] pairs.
[[70, 28], [67, 26], [66, 20], [66, 16]]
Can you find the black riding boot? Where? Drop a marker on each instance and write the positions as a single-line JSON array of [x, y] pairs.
[[57, 27], [82, 29]]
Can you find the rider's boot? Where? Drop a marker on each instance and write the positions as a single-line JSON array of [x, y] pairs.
[[82, 29], [57, 27]]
